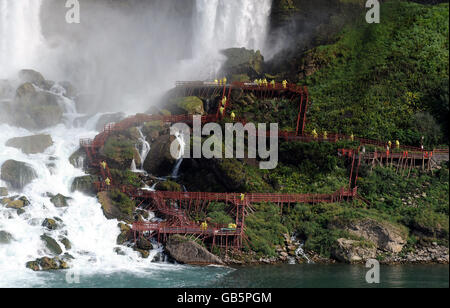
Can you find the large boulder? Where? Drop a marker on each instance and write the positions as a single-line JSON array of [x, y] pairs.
[[15, 203], [187, 251], [47, 264], [59, 200], [243, 61], [168, 186], [36, 109], [32, 76], [3, 191], [85, 184], [384, 235], [5, 237], [351, 251], [31, 144], [120, 150], [17, 174], [51, 244], [159, 161]]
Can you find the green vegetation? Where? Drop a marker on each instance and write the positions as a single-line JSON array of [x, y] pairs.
[[380, 80], [122, 202]]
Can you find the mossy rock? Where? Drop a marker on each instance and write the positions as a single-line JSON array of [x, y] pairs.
[[17, 174], [125, 234], [116, 205], [50, 224], [168, 186], [119, 151], [190, 104], [31, 144], [241, 61], [144, 253], [144, 244], [32, 76], [47, 264], [51, 244]]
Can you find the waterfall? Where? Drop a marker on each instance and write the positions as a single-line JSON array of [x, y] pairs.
[[176, 169], [20, 35], [143, 152], [221, 24]]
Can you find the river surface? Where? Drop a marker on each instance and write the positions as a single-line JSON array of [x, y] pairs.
[[267, 276]]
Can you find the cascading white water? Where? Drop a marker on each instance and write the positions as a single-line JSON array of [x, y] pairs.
[[221, 24], [21, 41], [144, 150], [176, 169], [232, 23]]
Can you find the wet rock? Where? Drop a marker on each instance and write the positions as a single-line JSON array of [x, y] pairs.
[[125, 234], [47, 264], [35, 109], [31, 144], [144, 244], [144, 253], [32, 76], [85, 184], [3, 191], [15, 203], [159, 160], [51, 244], [186, 251], [351, 251], [60, 200], [5, 237], [119, 150], [67, 244], [119, 251], [50, 224], [17, 174]]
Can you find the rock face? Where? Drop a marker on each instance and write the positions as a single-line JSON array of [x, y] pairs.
[[17, 174], [31, 144], [351, 251], [243, 61], [188, 252], [47, 264], [159, 161], [385, 236]]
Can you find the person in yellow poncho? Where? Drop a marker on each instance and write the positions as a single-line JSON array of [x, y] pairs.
[[232, 226], [224, 101], [216, 81], [233, 116], [315, 134], [108, 182], [272, 83], [242, 197], [325, 135], [397, 144], [284, 84], [224, 81], [103, 163], [352, 137], [221, 110], [204, 226]]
